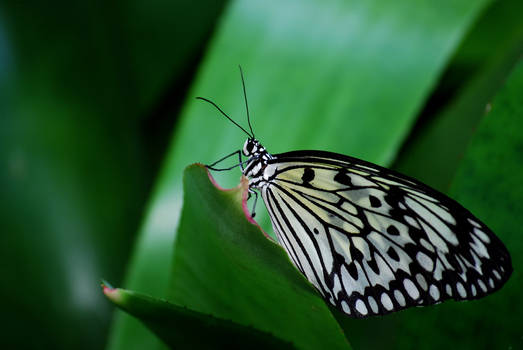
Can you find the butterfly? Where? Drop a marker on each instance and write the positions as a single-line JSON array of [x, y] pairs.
[[372, 241]]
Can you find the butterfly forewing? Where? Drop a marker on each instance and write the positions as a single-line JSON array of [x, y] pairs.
[[373, 241]]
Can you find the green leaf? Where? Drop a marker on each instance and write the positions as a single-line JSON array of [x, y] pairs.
[[479, 69], [182, 328], [77, 80], [224, 265]]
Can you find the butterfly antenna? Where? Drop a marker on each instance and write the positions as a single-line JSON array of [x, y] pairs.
[[225, 115], [246, 104]]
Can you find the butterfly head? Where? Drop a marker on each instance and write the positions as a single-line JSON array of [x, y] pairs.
[[252, 148]]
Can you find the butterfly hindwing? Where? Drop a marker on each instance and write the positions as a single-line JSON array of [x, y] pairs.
[[373, 241]]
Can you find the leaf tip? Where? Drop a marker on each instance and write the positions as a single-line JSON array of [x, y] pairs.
[[106, 284], [113, 294]]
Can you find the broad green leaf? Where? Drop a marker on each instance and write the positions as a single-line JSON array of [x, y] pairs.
[[490, 51], [76, 80], [334, 75], [225, 266], [182, 328]]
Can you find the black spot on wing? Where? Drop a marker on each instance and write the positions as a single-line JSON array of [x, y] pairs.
[[338, 259], [392, 230], [374, 266], [392, 254], [329, 281], [353, 270], [374, 202], [342, 178], [308, 176], [355, 253], [394, 196]]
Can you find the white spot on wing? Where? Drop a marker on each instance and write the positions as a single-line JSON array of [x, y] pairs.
[[448, 289], [337, 285], [434, 292], [399, 297], [349, 208], [482, 285], [461, 290], [474, 223], [386, 302], [482, 235], [412, 222], [426, 244], [373, 305], [421, 281], [360, 306], [425, 261], [411, 288], [345, 307], [473, 290]]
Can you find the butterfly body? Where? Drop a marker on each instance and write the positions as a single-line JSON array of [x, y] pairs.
[[373, 241]]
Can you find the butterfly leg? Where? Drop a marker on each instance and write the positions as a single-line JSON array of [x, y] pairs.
[[240, 160], [238, 152], [253, 211]]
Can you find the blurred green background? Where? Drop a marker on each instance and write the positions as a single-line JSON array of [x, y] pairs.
[[98, 120]]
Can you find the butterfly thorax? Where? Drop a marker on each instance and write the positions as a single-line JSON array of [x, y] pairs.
[[257, 161]]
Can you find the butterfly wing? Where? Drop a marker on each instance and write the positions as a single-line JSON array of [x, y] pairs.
[[374, 241]]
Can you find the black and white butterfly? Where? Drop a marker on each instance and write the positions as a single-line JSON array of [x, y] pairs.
[[371, 240]]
